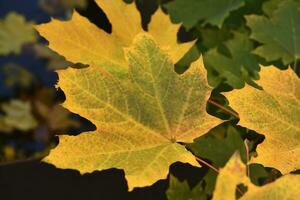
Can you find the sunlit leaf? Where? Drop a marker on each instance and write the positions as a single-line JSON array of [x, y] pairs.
[[140, 117], [55, 61], [80, 41], [274, 112]]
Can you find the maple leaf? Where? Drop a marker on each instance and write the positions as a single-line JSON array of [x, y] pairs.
[[138, 119], [234, 173], [181, 190], [279, 34], [217, 149], [190, 12], [240, 67], [140, 106], [270, 6], [80, 41], [55, 61], [274, 112], [14, 33], [217, 146]]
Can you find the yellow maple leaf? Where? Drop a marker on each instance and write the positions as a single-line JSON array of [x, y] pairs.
[[140, 106], [234, 173], [80, 41], [139, 120], [274, 112]]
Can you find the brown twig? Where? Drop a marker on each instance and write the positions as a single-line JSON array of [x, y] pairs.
[[223, 108], [207, 164]]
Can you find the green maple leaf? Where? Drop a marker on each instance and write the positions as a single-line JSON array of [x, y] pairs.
[[217, 146], [14, 33], [270, 6], [213, 37], [258, 173], [235, 69], [139, 120], [279, 35], [190, 12], [181, 190]]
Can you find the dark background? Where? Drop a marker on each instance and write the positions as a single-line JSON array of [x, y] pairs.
[[37, 180]]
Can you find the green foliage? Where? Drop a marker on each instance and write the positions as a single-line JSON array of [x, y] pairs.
[[181, 190], [190, 12], [236, 68], [228, 48], [278, 34], [270, 6], [218, 145]]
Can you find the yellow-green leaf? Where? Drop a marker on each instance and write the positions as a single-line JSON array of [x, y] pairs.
[[80, 41], [14, 33], [286, 187], [18, 115], [230, 176], [181, 190], [274, 112], [234, 173], [139, 119]]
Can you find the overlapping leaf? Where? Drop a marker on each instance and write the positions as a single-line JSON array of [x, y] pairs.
[[80, 41], [235, 69], [181, 190], [217, 146], [234, 173], [274, 112], [190, 12], [279, 35]]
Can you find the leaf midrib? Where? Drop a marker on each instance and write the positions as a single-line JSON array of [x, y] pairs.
[[126, 150], [128, 117]]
